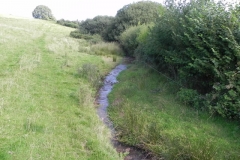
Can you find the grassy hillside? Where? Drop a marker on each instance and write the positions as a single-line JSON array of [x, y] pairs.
[[146, 112], [46, 108]]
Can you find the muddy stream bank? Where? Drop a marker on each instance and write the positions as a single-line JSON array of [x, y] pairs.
[[110, 80]]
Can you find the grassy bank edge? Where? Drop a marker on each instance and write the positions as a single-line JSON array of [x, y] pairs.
[[146, 113]]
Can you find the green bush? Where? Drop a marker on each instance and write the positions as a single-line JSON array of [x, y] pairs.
[[132, 37], [191, 98], [128, 40], [187, 96], [144, 32]]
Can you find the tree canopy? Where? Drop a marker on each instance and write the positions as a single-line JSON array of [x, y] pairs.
[[97, 25], [43, 12], [142, 12]]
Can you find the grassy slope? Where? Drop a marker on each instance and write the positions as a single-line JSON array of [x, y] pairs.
[[40, 114], [146, 114]]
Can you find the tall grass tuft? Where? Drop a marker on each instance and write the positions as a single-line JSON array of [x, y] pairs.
[[85, 95], [114, 58], [105, 48], [91, 73]]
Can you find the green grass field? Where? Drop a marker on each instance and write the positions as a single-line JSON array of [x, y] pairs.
[[146, 113], [46, 108]]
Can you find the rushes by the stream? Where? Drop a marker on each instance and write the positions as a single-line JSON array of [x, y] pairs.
[[147, 114]]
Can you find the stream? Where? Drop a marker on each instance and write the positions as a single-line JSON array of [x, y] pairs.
[[110, 80]]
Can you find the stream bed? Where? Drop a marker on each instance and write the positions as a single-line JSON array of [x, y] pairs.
[[110, 80]]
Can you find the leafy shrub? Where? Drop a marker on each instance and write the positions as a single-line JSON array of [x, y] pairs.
[[225, 98], [144, 32], [43, 12], [132, 37], [191, 97], [187, 96], [128, 39]]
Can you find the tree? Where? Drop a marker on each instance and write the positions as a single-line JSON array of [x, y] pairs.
[[97, 25], [43, 12], [142, 12]]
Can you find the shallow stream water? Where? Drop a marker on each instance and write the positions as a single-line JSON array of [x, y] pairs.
[[110, 80]]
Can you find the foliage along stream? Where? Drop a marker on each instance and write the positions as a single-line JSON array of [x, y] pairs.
[[110, 80]]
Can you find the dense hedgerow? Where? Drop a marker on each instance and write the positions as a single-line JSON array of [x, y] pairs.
[[198, 43], [72, 24]]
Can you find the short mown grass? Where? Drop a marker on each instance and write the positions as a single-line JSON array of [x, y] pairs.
[[46, 108], [146, 113]]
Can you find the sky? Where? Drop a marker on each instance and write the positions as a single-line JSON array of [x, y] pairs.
[[67, 9]]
